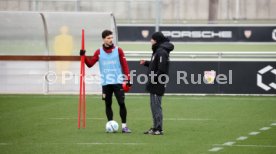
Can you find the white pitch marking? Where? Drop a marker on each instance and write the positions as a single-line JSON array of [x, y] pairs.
[[98, 143], [169, 119], [261, 146], [242, 138], [229, 143], [4, 143], [237, 145], [75, 118], [273, 124], [88, 143], [186, 119], [215, 149], [265, 128], [254, 133]]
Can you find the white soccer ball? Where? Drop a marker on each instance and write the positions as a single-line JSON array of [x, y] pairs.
[[111, 126]]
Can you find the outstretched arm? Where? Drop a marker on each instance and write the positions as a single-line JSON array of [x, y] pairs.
[[91, 61], [145, 63]]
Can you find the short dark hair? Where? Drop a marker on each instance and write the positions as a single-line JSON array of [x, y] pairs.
[[106, 33]]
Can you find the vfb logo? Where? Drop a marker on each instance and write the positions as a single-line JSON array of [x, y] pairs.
[[274, 34], [260, 74]]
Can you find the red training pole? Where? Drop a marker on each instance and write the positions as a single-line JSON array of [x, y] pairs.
[[82, 103], [80, 95], [82, 39], [83, 97], [83, 82]]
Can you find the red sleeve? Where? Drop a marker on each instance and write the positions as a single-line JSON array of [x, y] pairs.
[[124, 63], [91, 61]]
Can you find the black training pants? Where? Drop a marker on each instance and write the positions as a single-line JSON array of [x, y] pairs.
[[156, 110], [108, 91]]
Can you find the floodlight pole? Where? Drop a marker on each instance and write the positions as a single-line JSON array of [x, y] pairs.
[[158, 14], [77, 6], [237, 9]]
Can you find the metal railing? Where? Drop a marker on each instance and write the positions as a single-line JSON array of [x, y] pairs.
[[207, 56]]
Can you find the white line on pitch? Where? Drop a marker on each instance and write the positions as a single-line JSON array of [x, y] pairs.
[[273, 124], [75, 118], [229, 143], [254, 133], [4, 143], [261, 146], [215, 149], [99, 143], [88, 143], [169, 119], [186, 119], [241, 138], [177, 119], [265, 128]]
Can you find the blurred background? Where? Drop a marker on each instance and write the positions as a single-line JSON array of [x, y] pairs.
[[168, 11], [209, 35]]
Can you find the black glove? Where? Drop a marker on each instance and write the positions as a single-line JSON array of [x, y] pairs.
[[82, 52], [128, 83]]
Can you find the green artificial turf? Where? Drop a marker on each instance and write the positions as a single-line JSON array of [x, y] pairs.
[[192, 124]]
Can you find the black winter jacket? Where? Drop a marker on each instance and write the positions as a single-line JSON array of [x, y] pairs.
[[159, 65]]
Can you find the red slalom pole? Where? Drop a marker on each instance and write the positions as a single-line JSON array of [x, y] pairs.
[[83, 72], [82, 39], [83, 97], [83, 107], [82, 103], [80, 95]]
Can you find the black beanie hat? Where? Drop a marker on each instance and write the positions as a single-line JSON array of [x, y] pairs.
[[159, 37]]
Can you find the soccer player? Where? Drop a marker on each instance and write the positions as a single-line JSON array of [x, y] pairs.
[[113, 66], [159, 66]]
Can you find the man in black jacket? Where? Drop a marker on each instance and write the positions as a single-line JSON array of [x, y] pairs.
[[158, 69]]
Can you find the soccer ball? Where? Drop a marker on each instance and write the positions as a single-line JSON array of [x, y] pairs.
[[111, 126]]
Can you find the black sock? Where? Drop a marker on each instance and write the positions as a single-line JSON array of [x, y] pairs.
[[108, 111], [123, 112]]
